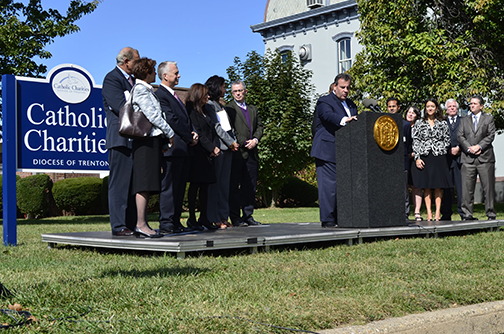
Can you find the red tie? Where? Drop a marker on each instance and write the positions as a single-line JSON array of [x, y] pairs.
[[130, 81]]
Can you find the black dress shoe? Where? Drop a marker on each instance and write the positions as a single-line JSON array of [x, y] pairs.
[[125, 232], [469, 218], [207, 224], [329, 224], [251, 221], [445, 218], [195, 226], [141, 234], [492, 218], [240, 224], [181, 229]]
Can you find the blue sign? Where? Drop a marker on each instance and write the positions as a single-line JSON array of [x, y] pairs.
[[61, 123], [55, 124]]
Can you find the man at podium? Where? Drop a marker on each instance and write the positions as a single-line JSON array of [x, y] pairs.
[[333, 111]]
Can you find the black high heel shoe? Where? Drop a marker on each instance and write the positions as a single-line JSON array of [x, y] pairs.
[[141, 234]]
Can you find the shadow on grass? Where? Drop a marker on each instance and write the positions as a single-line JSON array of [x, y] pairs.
[[161, 272], [69, 220], [96, 219]]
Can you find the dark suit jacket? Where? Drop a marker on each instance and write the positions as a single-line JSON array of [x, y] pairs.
[[178, 118], [202, 169], [483, 136], [330, 112], [453, 160], [113, 89], [241, 128]]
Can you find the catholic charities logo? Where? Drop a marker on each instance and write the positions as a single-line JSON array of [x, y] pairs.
[[71, 86]]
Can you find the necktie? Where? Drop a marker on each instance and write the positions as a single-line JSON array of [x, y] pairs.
[[176, 96], [130, 80], [452, 122], [475, 122]]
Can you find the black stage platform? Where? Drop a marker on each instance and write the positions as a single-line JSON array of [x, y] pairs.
[[262, 236]]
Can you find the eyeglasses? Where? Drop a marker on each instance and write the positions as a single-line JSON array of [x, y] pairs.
[[238, 91]]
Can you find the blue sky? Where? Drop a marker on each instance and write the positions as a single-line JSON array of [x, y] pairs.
[[203, 36]]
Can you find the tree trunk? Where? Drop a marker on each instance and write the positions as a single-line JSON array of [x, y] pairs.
[[274, 198]]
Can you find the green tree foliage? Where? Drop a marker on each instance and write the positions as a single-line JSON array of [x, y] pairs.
[[281, 88], [417, 49], [26, 29]]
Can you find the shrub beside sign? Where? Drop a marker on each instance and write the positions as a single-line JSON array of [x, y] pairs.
[[56, 124]]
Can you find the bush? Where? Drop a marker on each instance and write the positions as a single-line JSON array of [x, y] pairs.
[[153, 205], [34, 195], [309, 174], [79, 196], [104, 194], [297, 193]]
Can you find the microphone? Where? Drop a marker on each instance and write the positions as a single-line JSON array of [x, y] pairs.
[[371, 104]]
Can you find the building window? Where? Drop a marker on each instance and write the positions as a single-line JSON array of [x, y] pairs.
[[285, 56], [344, 55], [312, 4], [285, 51]]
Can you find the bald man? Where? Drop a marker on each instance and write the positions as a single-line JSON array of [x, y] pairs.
[[116, 85]]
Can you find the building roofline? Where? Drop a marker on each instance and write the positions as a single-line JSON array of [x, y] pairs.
[[266, 10], [302, 16]]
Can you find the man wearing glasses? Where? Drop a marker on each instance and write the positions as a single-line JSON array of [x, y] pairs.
[[245, 166]]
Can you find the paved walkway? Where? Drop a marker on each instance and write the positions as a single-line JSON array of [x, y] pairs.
[[485, 318]]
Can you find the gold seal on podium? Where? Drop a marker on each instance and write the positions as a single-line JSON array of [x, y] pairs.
[[386, 133]]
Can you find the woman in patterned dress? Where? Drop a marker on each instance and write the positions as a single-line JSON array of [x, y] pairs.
[[431, 140]]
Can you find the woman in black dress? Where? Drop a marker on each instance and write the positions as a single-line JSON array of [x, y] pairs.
[[411, 116], [147, 153], [431, 140], [202, 171]]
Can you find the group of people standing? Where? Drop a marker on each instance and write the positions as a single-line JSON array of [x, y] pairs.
[[439, 153], [447, 153], [201, 141]]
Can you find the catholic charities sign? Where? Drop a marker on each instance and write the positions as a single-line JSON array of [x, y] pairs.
[[55, 124], [61, 122]]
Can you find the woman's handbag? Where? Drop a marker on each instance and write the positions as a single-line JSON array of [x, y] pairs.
[[133, 124]]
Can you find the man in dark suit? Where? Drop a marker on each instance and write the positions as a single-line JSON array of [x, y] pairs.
[[245, 165], [333, 112], [475, 135], [453, 162], [116, 85], [176, 160]]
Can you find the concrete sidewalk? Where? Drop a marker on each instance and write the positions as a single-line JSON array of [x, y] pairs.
[[485, 318]]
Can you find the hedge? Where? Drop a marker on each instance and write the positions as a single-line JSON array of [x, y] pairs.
[[79, 196], [297, 193], [34, 195]]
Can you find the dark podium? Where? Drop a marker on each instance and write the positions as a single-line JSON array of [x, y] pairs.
[[370, 173]]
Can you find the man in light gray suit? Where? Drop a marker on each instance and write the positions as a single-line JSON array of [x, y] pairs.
[[475, 135]]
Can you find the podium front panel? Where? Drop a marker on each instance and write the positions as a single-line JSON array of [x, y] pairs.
[[370, 180]]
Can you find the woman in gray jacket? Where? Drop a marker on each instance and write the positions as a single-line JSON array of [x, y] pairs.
[[218, 193], [147, 152]]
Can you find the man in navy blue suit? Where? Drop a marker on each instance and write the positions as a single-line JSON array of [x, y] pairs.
[[454, 163], [333, 112], [176, 160], [116, 85]]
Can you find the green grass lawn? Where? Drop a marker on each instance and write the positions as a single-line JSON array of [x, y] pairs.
[[310, 289]]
